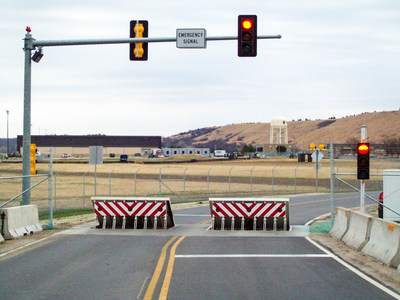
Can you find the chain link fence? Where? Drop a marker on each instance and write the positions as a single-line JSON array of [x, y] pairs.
[[75, 184]]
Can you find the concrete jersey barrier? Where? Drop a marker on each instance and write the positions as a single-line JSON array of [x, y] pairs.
[[358, 230], [133, 212], [341, 224], [384, 242], [249, 213], [20, 221]]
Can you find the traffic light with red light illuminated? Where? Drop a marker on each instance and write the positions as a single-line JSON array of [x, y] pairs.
[[138, 29], [247, 35], [363, 160]]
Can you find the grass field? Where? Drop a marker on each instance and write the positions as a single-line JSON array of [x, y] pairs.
[[184, 181]]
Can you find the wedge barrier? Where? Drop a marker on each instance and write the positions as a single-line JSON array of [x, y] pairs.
[[249, 213], [384, 242], [358, 230], [133, 212], [341, 224], [20, 221]]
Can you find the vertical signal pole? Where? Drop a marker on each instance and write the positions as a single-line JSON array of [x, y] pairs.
[[362, 182], [26, 156]]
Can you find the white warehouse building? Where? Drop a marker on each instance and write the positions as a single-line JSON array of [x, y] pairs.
[[176, 151]]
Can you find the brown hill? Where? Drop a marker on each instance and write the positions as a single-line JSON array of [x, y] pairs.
[[381, 126]]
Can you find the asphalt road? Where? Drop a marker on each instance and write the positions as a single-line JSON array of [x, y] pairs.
[[187, 262]]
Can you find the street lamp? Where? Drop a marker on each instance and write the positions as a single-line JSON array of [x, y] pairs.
[[8, 113]]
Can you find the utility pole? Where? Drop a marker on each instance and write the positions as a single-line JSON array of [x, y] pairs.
[[8, 149], [26, 157]]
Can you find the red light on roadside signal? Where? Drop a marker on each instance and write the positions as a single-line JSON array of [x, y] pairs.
[[363, 148], [247, 24]]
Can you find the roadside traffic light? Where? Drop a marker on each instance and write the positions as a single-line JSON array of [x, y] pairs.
[[363, 161], [138, 29], [247, 35], [33, 159]]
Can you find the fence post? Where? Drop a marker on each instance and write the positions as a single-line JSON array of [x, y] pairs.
[[51, 188], [159, 183], [109, 183], [208, 183], [83, 192], [332, 185], [230, 181], [135, 181], [55, 191], [295, 179], [272, 182], [184, 185], [251, 182]]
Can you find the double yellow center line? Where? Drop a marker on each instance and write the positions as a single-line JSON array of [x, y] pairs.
[[159, 268]]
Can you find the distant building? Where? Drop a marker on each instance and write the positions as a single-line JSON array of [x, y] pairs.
[[78, 145], [176, 151]]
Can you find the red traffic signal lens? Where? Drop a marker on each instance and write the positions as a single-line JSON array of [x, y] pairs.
[[363, 148], [247, 24]]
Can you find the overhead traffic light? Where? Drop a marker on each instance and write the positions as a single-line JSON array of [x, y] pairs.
[[138, 29], [247, 35], [321, 146], [363, 160], [33, 159], [312, 146]]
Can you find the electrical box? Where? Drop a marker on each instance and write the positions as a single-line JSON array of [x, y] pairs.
[[391, 194]]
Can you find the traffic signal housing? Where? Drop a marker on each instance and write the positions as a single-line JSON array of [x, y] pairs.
[[33, 159], [247, 35], [138, 29], [363, 161]]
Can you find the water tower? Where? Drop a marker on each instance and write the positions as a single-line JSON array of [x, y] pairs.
[[279, 131]]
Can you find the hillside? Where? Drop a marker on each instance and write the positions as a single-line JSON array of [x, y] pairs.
[[381, 125]]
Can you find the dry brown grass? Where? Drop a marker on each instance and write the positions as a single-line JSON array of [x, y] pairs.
[[302, 133], [70, 192]]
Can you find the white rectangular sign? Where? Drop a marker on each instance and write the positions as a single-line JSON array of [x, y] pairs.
[[191, 38], [95, 155]]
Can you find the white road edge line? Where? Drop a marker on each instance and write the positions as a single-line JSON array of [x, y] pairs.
[[351, 268], [253, 255], [27, 245]]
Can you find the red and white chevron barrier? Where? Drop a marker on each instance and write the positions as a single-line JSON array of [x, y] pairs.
[[137, 212], [250, 213]]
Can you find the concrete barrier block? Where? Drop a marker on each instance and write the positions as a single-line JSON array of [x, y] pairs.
[[358, 230], [20, 221], [340, 226], [384, 242]]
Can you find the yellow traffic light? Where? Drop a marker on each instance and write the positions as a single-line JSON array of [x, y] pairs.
[[33, 159], [139, 29], [321, 146], [312, 146]]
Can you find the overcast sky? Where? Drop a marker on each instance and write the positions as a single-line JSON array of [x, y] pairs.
[[335, 58]]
